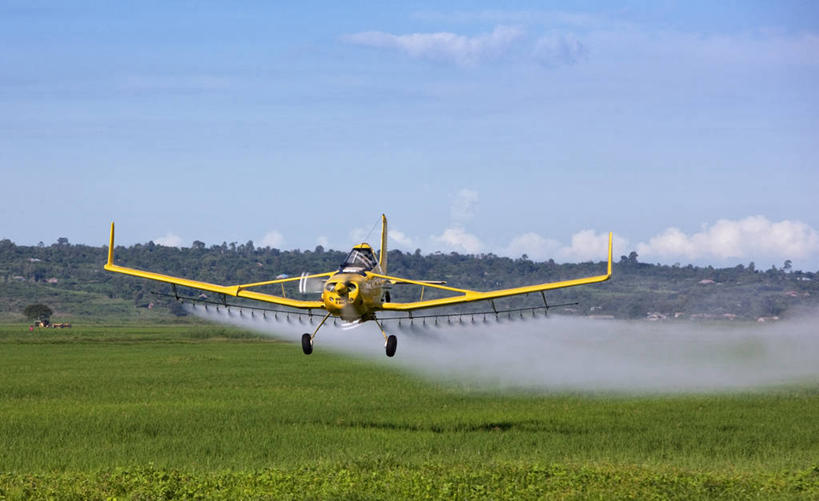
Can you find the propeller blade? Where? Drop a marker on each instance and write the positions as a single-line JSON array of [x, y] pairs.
[[311, 285]]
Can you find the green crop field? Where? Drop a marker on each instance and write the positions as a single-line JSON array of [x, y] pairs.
[[205, 411]]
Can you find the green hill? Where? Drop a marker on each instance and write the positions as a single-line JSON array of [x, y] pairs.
[[70, 279]]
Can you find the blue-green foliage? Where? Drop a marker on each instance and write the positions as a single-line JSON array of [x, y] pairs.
[[80, 288]]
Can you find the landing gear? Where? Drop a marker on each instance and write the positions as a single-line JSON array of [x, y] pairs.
[[306, 343], [392, 345], [307, 339]]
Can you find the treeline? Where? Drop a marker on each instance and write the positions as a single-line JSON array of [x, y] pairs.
[[70, 279]]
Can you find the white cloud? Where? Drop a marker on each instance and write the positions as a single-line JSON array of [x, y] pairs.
[[755, 238], [588, 245], [458, 240], [464, 206], [448, 47], [400, 238], [272, 239], [533, 245], [169, 240], [752, 237], [556, 50]]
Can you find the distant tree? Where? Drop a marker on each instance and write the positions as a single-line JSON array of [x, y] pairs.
[[62, 241], [39, 274], [319, 249], [37, 312], [787, 266], [198, 245], [632, 257], [636, 310]]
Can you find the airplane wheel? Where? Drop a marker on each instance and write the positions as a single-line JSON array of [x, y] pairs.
[[392, 345], [307, 344]]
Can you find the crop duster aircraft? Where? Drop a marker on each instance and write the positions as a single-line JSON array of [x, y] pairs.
[[358, 291]]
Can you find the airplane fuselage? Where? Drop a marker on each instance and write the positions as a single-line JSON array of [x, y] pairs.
[[352, 296]]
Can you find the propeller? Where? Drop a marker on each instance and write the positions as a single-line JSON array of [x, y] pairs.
[[311, 285]]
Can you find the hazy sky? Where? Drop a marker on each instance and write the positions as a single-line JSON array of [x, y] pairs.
[[690, 129]]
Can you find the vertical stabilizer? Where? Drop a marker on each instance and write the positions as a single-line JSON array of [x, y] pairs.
[[382, 258]]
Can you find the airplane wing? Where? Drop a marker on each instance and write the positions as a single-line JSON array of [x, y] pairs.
[[468, 296], [228, 290]]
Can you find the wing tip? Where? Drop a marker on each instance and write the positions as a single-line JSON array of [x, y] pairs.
[[111, 246], [611, 240]]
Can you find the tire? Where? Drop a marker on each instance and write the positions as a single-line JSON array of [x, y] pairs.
[[392, 345], [306, 344]]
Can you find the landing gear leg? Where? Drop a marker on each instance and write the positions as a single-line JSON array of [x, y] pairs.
[[390, 342], [307, 339]]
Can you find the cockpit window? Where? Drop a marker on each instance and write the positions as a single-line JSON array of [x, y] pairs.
[[359, 260]]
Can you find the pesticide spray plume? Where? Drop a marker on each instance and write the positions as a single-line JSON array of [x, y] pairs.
[[562, 353]]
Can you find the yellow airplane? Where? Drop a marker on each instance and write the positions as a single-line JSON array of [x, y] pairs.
[[358, 290]]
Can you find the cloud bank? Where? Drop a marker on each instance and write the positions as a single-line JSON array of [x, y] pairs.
[[169, 240], [744, 238], [443, 46], [754, 237], [272, 239]]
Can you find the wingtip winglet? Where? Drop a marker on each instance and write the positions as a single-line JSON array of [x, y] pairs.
[[111, 246], [611, 239]]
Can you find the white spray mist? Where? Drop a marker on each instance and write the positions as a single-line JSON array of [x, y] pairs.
[[574, 354]]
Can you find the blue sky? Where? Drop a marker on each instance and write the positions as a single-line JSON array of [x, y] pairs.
[[687, 128]]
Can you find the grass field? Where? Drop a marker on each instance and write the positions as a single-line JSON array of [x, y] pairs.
[[209, 411]]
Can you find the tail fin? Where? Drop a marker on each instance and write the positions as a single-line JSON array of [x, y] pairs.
[[382, 258]]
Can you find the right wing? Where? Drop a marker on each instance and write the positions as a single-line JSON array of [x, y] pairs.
[[468, 296], [228, 290]]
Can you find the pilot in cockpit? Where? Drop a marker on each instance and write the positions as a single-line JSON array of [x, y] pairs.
[[359, 260]]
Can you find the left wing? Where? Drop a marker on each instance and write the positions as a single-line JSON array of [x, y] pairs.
[[228, 290], [468, 296]]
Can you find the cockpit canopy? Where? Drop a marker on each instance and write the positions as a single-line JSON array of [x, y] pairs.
[[359, 260]]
